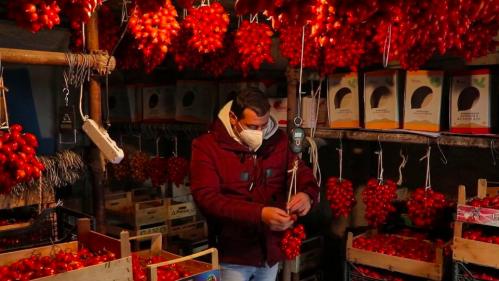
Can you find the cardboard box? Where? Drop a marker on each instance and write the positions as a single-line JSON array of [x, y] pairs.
[[381, 101], [158, 103], [343, 98], [470, 102], [309, 112], [279, 110], [195, 101], [423, 100], [125, 104]]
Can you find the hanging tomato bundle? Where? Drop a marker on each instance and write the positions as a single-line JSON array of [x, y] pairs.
[[158, 170], [379, 198], [120, 171], [138, 166], [178, 169], [34, 14], [291, 44], [292, 240], [79, 11], [218, 62], [254, 42], [18, 160], [424, 205], [340, 195], [207, 26], [153, 32], [109, 29], [184, 56]]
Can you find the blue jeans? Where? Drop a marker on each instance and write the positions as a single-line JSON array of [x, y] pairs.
[[235, 272]]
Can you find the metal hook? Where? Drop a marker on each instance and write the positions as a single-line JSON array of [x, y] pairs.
[[442, 155]]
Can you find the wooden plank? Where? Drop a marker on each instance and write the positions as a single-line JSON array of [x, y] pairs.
[[21, 56], [411, 267], [482, 188], [14, 226], [476, 252], [446, 139], [461, 199]]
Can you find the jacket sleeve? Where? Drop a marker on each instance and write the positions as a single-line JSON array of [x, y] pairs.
[[205, 187], [305, 180]]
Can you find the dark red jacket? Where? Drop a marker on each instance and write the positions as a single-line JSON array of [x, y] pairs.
[[222, 171]]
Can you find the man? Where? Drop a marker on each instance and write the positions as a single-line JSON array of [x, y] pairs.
[[240, 182]]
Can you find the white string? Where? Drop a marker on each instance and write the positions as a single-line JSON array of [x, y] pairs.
[[340, 159], [428, 173], [301, 73], [405, 158], [292, 185], [380, 162], [254, 18], [442, 155], [314, 160], [386, 47], [175, 142]]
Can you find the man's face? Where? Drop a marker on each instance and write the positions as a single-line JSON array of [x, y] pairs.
[[250, 120]]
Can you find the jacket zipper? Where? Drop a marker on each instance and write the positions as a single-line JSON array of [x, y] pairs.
[[252, 184]]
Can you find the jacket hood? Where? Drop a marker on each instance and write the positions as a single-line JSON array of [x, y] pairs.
[[223, 127]]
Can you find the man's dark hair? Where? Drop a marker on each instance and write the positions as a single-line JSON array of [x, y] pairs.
[[251, 98]]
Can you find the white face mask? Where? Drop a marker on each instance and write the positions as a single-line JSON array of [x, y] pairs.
[[252, 138]]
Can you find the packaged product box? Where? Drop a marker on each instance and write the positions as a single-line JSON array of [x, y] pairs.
[[279, 110], [381, 100], [471, 102], [423, 100], [158, 103], [343, 99], [310, 114], [195, 101], [125, 104]]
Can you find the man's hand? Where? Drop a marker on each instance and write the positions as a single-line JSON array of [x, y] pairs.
[[277, 219], [300, 204]]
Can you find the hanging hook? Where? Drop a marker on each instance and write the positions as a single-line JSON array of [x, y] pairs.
[[428, 175], [442, 155]]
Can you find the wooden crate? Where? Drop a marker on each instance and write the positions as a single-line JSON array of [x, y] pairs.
[[31, 196], [200, 270], [124, 201], [472, 251], [178, 210], [477, 215], [310, 256], [117, 270], [14, 226], [430, 270], [142, 213], [191, 231]]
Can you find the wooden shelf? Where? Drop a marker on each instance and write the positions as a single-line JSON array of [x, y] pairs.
[[399, 136]]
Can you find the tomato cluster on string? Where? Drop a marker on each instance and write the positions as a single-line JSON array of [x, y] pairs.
[[34, 15], [18, 159], [292, 240], [340, 195], [378, 198], [424, 205]]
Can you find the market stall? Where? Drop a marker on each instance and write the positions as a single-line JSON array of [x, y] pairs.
[[393, 105]]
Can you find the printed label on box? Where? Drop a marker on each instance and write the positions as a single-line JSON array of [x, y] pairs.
[[381, 100], [470, 102], [423, 96], [343, 97]]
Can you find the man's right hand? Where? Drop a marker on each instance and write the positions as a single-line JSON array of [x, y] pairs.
[[277, 219]]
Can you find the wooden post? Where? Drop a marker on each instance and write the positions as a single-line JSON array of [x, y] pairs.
[[292, 77], [97, 163]]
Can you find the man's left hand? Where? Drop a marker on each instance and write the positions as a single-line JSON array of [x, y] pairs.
[[300, 204]]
